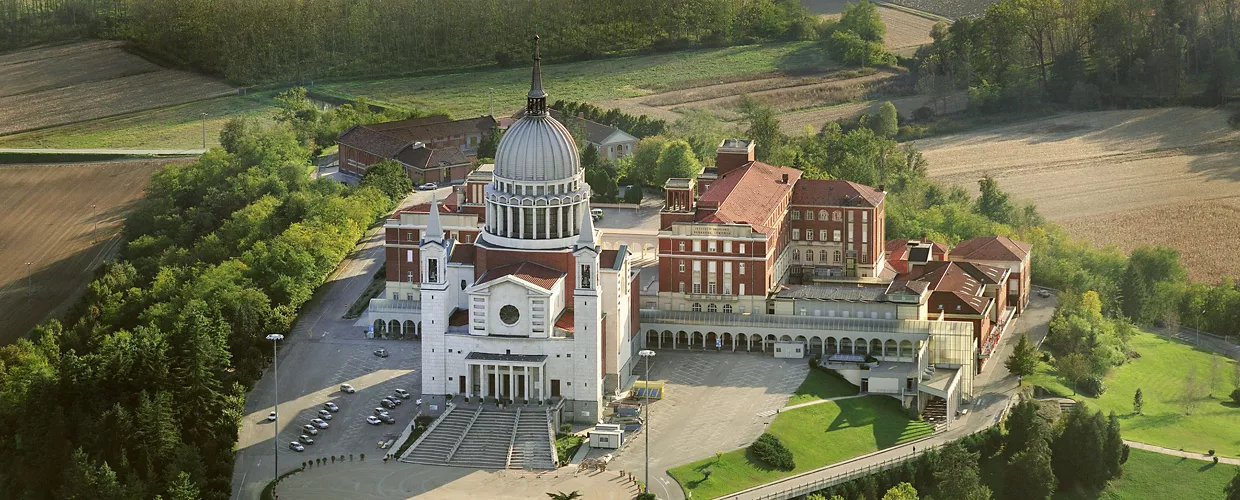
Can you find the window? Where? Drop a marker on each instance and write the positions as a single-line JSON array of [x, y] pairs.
[[741, 291], [408, 235], [865, 249], [809, 215], [837, 257], [409, 277], [710, 288], [865, 216], [802, 311], [682, 246], [409, 297], [682, 266], [850, 233], [432, 270], [809, 235], [822, 214], [796, 255], [509, 314], [408, 255], [682, 287], [796, 215], [395, 296], [697, 245], [712, 308], [809, 256], [711, 246], [741, 268], [822, 234], [742, 250], [836, 216], [464, 284], [865, 233], [682, 307], [887, 315], [727, 308], [796, 234], [835, 235], [742, 310], [727, 247], [822, 255], [850, 216], [873, 315], [697, 288], [697, 307]]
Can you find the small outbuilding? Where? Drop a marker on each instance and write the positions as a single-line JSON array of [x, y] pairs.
[[609, 436]]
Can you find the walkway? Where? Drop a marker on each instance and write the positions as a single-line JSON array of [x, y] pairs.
[[1180, 453], [136, 152], [815, 402]]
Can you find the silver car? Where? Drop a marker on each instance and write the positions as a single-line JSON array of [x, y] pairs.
[[326, 415], [318, 422], [310, 429]]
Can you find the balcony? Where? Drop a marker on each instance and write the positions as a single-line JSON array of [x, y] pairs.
[[395, 306]]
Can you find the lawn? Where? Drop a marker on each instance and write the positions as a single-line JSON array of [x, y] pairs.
[[468, 93], [174, 127], [817, 435], [1160, 373], [1146, 477], [821, 385]]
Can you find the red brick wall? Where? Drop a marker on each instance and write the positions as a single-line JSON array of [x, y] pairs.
[[562, 261], [635, 306], [398, 264], [726, 162], [350, 153]]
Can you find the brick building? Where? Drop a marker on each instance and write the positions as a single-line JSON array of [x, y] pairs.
[[432, 149]]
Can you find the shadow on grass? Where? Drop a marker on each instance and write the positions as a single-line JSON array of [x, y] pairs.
[[1206, 467], [885, 416]]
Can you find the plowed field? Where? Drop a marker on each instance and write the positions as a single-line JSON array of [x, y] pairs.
[[59, 223]]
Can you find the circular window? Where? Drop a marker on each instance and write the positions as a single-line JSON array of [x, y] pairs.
[[509, 315]]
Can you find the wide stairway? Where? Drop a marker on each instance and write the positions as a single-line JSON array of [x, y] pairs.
[[485, 444], [531, 447], [437, 446], [936, 411]]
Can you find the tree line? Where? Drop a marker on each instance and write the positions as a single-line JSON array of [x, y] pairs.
[[138, 391], [1085, 53], [250, 41]]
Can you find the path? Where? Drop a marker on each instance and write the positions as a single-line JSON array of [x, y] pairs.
[[1180, 453], [135, 152], [818, 402]]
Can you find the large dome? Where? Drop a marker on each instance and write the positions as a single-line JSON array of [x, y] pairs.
[[537, 148]]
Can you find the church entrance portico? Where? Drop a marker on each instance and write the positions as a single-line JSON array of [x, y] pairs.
[[506, 376]]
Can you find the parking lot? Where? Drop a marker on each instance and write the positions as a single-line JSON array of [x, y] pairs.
[[712, 403]]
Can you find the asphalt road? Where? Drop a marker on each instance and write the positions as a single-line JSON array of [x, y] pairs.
[[322, 351]]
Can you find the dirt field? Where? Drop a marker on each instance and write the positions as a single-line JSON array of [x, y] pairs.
[[63, 84], [61, 221], [1129, 178]]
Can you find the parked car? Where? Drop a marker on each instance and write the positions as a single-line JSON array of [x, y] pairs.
[[596, 213], [1044, 293], [347, 389], [318, 422], [402, 393], [387, 419], [305, 439], [382, 353], [330, 406], [271, 417], [386, 404], [418, 402], [380, 411], [372, 420], [395, 401], [310, 429], [295, 446], [428, 186], [325, 415]]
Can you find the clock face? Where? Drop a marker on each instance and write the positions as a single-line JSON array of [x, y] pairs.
[[509, 314]]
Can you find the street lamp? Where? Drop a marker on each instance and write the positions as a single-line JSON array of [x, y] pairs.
[[204, 131], [275, 339], [1199, 315], [647, 354]]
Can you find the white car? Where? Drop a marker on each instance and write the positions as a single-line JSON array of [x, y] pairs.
[[325, 415], [380, 411], [1044, 293], [372, 420], [310, 429], [347, 389], [402, 393], [331, 406], [271, 417], [318, 422], [428, 186], [295, 446]]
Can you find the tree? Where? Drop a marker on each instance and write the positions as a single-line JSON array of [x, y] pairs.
[[862, 18], [1073, 367], [677, 161], [645, 160], [235, 130], [1216, 373], [490, 143], [1190, 398], [1232, 490], [993, 202], [888, 121], [763, 126], [956, 474], [1024, 359], [902, 491], [1030, 472], [1138, 402], [388, 176], [1235, 374], [1025, 427], [560, 495], [182, 488]]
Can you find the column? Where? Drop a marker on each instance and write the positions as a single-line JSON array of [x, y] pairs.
[[469, 371], [520, 222], [547, 220], [529, 382], [508, 218], [512, 382]]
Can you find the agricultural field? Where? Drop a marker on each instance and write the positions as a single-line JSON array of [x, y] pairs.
[[63, 220], [1128, 178], [953, 9], [1160, 373], [56, 85]]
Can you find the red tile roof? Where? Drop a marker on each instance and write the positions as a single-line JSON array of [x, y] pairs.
[[448, 205], [536, 274], [947, 277], [565, 321], [959, 303], [751, 194], [835, 193], [430, 128], [992, 248], [463, 253]]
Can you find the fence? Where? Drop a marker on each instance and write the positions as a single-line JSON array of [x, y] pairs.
[[844, 477]]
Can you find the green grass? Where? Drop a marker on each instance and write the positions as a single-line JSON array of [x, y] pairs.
[[174, 127], [566, 446], [817, 435], [466, 93], [1160, 374], [822, 385]]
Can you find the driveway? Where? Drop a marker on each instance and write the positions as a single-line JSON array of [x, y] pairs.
[[322, 351], [711, 403]]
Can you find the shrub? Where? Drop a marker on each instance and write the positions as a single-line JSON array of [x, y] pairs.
[[1216, 460], [769, 450], [1235, 396], [923, 113], [633, 195], [566, 428], [1093, 386]]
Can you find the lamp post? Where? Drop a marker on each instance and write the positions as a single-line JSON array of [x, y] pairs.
[[275, 339], [204, 131], [1199, 315], [492, 102], [646, 354]]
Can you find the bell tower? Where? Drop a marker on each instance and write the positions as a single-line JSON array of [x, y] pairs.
[[587, 325], [433, 251]]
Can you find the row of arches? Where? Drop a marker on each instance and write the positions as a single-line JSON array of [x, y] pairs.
[[883, 349], [395, 329]]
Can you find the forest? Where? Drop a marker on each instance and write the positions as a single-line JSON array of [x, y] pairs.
[[297, 41]]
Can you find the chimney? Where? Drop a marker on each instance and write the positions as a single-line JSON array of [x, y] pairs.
[[785, 178], [733, 154]]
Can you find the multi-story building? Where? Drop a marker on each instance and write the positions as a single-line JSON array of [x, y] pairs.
[[432, 149]]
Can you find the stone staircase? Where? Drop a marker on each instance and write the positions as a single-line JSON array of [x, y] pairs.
[[485, 444], [936, 410], [437, 445], [531, 444]]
